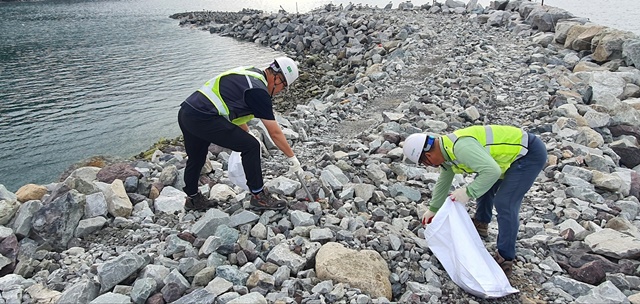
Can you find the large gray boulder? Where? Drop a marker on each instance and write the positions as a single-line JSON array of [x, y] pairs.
[[545, 18], [57, 221], [364, 269]]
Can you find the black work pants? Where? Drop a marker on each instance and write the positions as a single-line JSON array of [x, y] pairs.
[[200, 130]]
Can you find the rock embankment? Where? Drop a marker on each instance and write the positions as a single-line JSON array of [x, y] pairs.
[[119, 233]]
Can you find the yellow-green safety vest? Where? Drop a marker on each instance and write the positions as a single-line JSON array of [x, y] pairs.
[[211, 89], [506, 144]]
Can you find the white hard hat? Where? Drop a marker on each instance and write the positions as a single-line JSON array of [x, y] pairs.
[[288, 68], [415, 145]]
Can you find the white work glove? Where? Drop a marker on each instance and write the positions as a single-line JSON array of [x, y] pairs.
[[460, 195], [427, 217], [294, 165]]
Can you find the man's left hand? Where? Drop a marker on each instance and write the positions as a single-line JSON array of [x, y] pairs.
[[460, 195]]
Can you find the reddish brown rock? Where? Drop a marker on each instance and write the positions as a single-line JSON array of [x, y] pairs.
[[117, 171]]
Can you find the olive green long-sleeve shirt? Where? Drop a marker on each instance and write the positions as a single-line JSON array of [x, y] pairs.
[[469, 152]]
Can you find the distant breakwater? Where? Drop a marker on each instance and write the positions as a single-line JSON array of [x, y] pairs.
[[332, 50]]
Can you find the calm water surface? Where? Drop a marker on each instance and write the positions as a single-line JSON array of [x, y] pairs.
[[84, 78], [619, 14]]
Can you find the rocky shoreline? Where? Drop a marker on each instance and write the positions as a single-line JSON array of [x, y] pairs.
[[117, 232]]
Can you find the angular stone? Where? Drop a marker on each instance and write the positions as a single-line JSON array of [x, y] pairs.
[[261, 279], [321, 234], [207, 224], [8, 209], [56, 221], [232, 274], [608, 182], [608, 45], [629, 152], [218, 286], [170, 200], [172, 291], [200, 296], [96, 205], [204, 276], [22, 219], [81, 292], [116, 270], [168, 175], [281, 255], [604, 293], [41, 294], [573, 287], [631, 52], [253, 297], [89, 226], [118, 203], [299, 218], [155, 272], [142, 289], [221, 193], [614, 244], [244, 217]]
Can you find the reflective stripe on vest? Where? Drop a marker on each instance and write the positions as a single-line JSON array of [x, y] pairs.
[[211, 89], [505, 144]]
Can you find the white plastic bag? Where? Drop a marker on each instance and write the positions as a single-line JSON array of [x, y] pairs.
[[455, 242], [236, 171]]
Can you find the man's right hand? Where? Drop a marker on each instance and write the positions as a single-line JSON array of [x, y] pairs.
[[427, 217], [294, 166]]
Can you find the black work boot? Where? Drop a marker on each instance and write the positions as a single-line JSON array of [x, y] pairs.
[[482, 228], [266, 201], [199, 202]]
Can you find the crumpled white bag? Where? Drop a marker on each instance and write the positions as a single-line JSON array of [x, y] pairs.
[[454, 240], [235, 170]]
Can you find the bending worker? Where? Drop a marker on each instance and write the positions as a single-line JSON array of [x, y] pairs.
[[218, 113], [507, 161]]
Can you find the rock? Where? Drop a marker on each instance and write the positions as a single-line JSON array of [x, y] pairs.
[[57, 221], [114, 271], [81, 292], [614, 244], [362, 269], [31, 192], [116, 171]]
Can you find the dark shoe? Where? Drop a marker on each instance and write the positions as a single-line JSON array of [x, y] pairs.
[[199, 202], [266, 201], [482, 228], [506, 265]]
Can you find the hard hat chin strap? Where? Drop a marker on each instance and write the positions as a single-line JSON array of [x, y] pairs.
[[277, 70], [275, 78]]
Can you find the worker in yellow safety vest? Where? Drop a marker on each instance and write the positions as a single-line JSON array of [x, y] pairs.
[[218, 113], [507, 161]]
